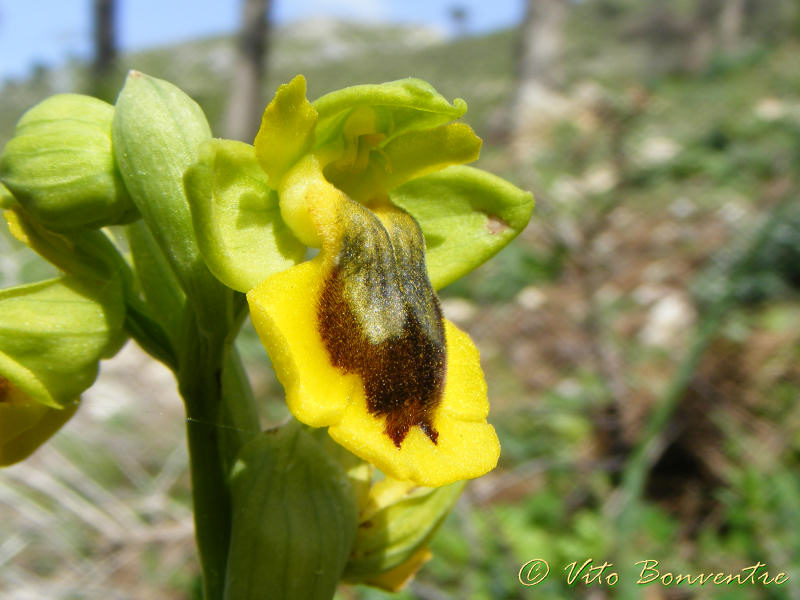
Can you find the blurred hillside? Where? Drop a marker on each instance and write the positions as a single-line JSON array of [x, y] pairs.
[[641, 339]]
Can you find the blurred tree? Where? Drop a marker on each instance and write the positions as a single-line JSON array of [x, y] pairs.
[[731, 20], [459, 15], [105, 49], [246, 102], [668, 35], [539, 69], [541, 44]]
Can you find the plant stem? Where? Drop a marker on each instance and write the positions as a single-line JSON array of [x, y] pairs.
[[221, 416], [200, 383]]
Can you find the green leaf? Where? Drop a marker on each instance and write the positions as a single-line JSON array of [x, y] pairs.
[[53, 334], [237, 218], [467, 216], [294, 519], [399, 106], [287, 129]]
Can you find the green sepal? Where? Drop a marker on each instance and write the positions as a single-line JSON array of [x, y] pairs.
[[398, 106], [60, 166], [236, 216], [467, 216], [86, 254], [54, 333], [392, 531], [294, 519], [287, 130], [157, 131], [56, 248], [26, 424]]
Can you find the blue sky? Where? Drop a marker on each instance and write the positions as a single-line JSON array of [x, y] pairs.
[[51, 31]]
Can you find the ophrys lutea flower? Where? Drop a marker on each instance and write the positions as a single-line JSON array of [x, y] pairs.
[[356, 334]]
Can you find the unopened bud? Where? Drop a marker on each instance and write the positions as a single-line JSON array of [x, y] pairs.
[[60, 166]]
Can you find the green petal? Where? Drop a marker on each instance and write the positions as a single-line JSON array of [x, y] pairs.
[[53, 334], [408, 156], [287, 130], [467, 216], [399, 106], [237, 218]]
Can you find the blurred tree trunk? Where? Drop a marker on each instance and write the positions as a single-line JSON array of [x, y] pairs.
[[105, 49], [539, 66], [246, 102], [702, 42], [731, 22], [541, 43]]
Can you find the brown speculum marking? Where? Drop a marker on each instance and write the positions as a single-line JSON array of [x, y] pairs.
[[379, 317], [495, 225]]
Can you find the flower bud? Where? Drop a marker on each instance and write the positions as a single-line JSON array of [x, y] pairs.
[[26, 424], [394, 529], [52, 337], [53, 334], [60, 167]]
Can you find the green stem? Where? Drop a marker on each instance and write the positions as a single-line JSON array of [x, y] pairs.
[[221, 416], [200, 383]]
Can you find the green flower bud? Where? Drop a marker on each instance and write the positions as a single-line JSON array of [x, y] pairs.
[[157, 132], [52, 335], [394, 529], [60, 167], [294, 519]]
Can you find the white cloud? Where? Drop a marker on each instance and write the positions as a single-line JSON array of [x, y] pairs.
[[363, 10]]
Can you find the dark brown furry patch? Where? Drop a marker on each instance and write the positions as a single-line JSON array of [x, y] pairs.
[[380, 318]]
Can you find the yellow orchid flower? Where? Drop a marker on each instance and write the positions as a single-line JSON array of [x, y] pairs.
[[356, 335], [358, 341]]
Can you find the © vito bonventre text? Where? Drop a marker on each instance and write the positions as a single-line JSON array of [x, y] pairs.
[[649, 571]]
